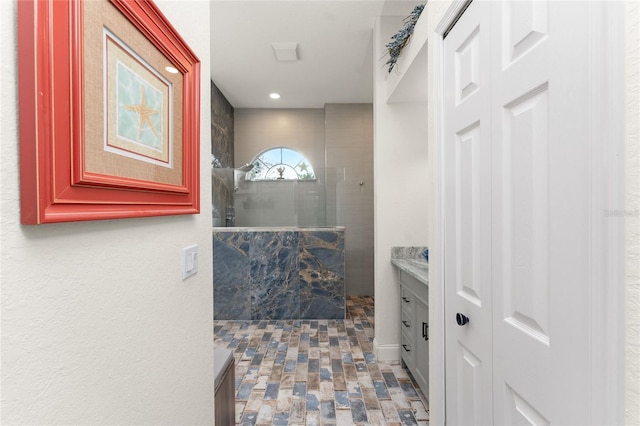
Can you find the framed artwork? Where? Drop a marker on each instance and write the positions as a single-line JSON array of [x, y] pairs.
[[109, 99]]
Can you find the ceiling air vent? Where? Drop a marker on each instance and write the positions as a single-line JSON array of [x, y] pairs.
[[286, 51]]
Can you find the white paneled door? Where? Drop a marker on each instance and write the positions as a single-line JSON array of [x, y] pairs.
[[517, 214], [467, 151]]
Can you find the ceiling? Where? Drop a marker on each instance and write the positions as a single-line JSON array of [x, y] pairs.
[[335, 47]]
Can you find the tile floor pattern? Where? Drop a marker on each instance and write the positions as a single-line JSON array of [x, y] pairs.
[[318, 372]]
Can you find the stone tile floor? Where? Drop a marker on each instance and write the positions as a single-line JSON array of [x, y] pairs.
[[318, 372]]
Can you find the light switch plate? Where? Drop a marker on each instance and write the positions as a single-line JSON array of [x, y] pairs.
[[189, 261]]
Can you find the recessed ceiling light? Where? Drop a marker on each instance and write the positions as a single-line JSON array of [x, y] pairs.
[[274, 95], [172, 70]]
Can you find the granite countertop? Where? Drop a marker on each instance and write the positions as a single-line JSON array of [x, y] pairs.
[[410, 260]]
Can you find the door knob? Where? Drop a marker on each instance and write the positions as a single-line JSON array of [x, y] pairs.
[[461, 319]]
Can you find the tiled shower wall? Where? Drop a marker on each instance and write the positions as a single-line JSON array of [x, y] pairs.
[[281, 203], [349, 147], [222, 141], [338, 141]]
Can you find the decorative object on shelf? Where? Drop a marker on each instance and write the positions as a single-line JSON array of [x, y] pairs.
[[401, 38], [108, 130], [425, 254]]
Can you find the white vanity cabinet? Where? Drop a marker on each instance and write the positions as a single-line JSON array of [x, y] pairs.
[[414, 323]]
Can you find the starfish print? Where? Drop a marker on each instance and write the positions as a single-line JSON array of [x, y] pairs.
[[144, 112]]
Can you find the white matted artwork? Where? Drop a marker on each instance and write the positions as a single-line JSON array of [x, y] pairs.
[[138, 102]]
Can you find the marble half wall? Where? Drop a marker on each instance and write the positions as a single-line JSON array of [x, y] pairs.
[[278, 273]]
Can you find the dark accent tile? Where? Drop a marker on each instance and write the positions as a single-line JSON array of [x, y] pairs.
[[327, 411], [408, 389], [342, 399], [241, 347], [314, 365], [281, 419], [358, 411], [249, 418], [381, 389], [271, 393], [407, 418], [257, 359], [300, 389], [313, 404], [244, 392], [325, 374], [289, 366], [390, 380]]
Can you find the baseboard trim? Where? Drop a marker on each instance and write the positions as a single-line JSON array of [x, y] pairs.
[[386, 352]]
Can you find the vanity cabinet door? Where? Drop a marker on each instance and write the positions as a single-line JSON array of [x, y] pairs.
[[414, 296]]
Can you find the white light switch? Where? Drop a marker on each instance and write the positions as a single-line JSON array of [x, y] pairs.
[[189, 261]]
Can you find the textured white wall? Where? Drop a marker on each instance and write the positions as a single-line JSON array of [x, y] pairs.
[[632, 216], [97, 325], [400, 160]]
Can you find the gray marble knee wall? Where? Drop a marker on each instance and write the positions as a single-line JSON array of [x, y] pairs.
[[278, 273]]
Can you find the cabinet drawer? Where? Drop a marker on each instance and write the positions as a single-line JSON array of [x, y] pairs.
[[407, 338], [410, 283], [406, 322], [406, 301], [407, 349]]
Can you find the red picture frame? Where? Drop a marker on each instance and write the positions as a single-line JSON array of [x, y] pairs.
[[57, 184]]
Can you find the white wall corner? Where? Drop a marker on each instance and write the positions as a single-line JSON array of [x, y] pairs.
[[388, 352]]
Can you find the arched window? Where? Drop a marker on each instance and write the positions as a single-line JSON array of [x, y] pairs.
[[280, 164]]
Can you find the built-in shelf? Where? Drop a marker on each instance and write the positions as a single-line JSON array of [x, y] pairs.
[[407, 82]]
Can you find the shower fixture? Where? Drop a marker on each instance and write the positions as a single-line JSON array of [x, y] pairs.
[[247, 167]]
